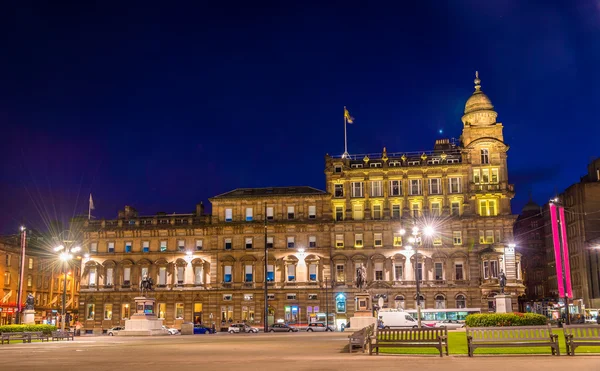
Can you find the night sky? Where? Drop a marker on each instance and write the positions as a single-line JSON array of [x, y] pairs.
[[160, 105]]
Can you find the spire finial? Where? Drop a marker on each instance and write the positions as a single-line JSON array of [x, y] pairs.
[[477, 81]]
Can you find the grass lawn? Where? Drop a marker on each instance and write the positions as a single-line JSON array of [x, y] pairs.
[[457, 344]]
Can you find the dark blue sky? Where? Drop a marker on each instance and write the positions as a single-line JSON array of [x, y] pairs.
[[160, 105]]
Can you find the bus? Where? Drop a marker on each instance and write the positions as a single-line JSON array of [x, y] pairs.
[[431, 316]]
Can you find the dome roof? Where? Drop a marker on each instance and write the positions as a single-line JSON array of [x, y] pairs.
[[478, 101], [531, 206]]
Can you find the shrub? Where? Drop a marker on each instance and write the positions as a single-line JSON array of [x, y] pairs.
[[46, 329], [505, 319]]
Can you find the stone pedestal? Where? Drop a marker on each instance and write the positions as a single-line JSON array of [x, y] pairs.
[[503, 303], [144, 321], [363, 313], [28, 317]]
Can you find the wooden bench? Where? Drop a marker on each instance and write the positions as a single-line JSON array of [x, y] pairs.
[[578, 335], [59, 335], [8, 336], [514, 336], [360, 338], [38, 335], [411, 338]]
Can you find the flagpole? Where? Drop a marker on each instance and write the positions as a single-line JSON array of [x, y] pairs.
[[345, 155]]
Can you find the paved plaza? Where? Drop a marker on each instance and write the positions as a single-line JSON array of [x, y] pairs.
[[297, 351]]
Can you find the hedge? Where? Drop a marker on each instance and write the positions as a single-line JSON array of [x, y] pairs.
[[46, 329], [505, 319]]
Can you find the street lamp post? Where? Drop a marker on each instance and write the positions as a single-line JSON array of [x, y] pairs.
[[416, 239], [65, 256]]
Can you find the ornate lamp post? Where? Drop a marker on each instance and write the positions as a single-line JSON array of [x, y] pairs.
[[66, 254], [416, 239]]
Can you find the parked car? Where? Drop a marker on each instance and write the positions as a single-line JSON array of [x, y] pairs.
[[171, 330], [240, 327], [318, 327], [201, 329], [282, 327], [115, 330], [450, 324]]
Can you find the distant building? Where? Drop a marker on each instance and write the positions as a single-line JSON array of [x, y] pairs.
[[582, 212], [530, 242], [42, 277], [210, 268]]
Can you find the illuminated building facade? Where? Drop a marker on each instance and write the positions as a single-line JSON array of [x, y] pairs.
[[210, 268]]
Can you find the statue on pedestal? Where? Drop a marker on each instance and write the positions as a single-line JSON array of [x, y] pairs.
[[361, 277], [29, 301], [502, 278], [146, 284]]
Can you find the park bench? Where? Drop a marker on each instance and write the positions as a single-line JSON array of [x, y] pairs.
[[59, 335], [578, 335], [360, 338], [411, 338], [513, 336], [8, 336], [37, 335]]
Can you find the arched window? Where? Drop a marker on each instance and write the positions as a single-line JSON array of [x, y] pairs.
[[399, 301], [440, 302], [420, 302], [461, 301]]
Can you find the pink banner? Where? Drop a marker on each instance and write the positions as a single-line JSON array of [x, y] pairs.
[[565, 256], [557, 257]]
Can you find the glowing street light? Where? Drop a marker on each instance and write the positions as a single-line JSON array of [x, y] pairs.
[[65, 255]]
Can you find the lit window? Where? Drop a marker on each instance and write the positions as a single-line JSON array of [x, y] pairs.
[[439, 271], [378, 240], [198, 245], [178, 310], [228, 244], [291, 242], [376, 212], [198, 275], [395, 188], [162, 276], [269, 242], [487, 207], [358, 240], [30, 263], [454, 185], [485, 156], [291, 273], [437, 240], [29, 280], [378, 271], [108, 310], [435, 186], [248, 275], [108, 277], [489, 237], [376, 188], [163, 245], [397, 239], [485, 176], [228, 215], [180, 275], [248, 242], [339, 213], [415, 187], [398, 272], [494, 175], [128, 246], [312, 212], [357, 189], [269, 213], [436, 209], [476, 176], [395, 211], [339, 240], [248, 214], [312, 272], [270, 273], [340, 275], [457, 237], [312, 241], [111, 247], [181, 245], [227, 274], [290, 212], [94, 247], [146, 246], [338, 190]]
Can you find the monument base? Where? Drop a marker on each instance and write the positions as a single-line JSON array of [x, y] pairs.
[[144, 322], [361, 320], [28, 317], [503, 303]]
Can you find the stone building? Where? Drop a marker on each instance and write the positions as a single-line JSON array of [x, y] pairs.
[[43, 277], [530, 242], [582, 207], [210, 268]]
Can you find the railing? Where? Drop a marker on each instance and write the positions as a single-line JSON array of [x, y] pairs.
[[409, 155]]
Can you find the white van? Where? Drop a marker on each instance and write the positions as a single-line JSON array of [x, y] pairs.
[[394, 319]]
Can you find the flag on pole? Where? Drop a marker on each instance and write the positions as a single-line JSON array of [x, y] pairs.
[[91, 207], [347, 116]]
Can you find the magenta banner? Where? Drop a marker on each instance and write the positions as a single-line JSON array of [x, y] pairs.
[[565, 256], [557, 257]]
